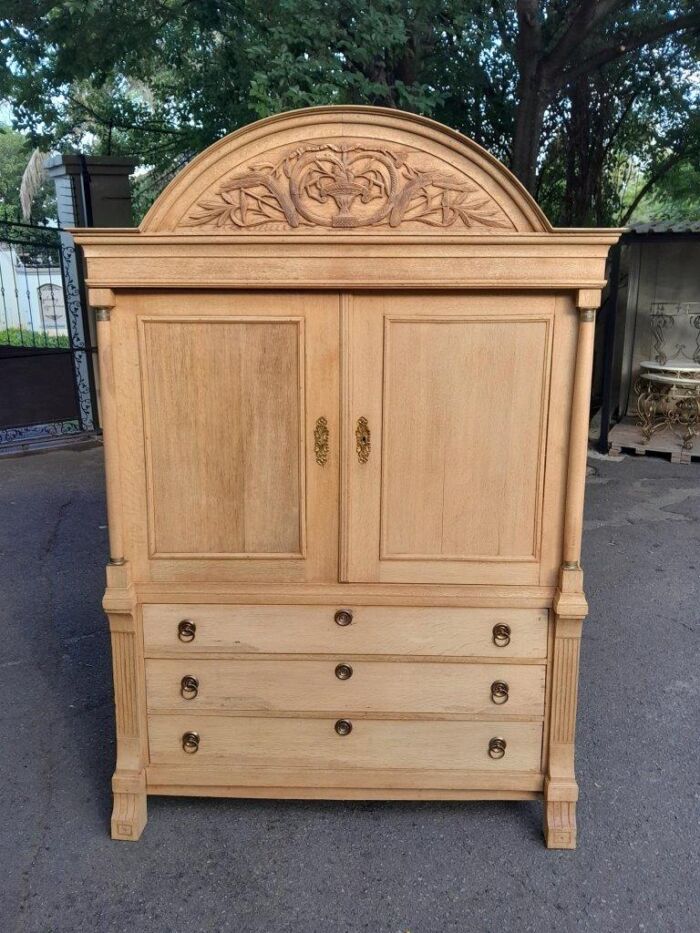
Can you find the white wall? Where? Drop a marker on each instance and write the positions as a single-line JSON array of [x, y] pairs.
[[31, 297]]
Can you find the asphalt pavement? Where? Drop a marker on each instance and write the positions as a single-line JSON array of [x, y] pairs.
[[325, 867]]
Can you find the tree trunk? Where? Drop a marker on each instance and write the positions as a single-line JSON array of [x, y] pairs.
[[532, 99], [529, 119], [577, 190], [590, 129]]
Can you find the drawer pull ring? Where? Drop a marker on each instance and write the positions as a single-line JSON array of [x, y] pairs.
[[497, 748], [343, 672], [189, 687], [343, 727], [343, 617], [190, 742], [501, 635], [499, 692], [186, 630], [363, 439]]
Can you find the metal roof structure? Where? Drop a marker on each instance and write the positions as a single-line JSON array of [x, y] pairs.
[[667, 226]]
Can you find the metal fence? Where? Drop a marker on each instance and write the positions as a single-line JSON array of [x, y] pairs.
[[46, 352], [32, 303]]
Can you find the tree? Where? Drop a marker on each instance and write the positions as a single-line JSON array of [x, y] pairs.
[[669, 191], [562, 90], [632, 118], [556, 44]]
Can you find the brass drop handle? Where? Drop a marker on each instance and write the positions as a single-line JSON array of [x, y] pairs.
[[343, 672], [190, 742], [186, 630], [343, 617], [497, 748], [363, 440], [343, 727], [189, 687], [501, 635], [499, 692]]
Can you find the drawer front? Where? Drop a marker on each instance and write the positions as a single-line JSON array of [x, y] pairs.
[[338, 686], [374, 630], [250, 742]]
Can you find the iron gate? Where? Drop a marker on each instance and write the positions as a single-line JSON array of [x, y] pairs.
[[46, 354]]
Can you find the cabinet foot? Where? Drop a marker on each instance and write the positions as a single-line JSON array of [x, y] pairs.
[[560, 824], [129, 813]]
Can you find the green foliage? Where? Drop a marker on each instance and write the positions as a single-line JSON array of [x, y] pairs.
[[162, 79], [674, 198], [14, 337]]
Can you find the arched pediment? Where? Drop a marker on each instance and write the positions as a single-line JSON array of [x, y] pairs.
[[325, 170]]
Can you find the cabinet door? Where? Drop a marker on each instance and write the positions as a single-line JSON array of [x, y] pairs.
[[222, 435], [445, 483]]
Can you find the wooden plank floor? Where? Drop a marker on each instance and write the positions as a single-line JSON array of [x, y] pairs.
[[626, 436]]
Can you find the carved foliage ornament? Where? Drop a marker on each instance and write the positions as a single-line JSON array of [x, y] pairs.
[[346, 185]]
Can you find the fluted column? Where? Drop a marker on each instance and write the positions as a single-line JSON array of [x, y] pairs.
[[570, 607], [129, 780]]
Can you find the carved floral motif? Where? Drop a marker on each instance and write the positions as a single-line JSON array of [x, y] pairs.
[[347, 185]]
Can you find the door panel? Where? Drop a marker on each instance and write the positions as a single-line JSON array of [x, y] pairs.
[[226, 391], [242, 380], [446, 381], [455, 392]]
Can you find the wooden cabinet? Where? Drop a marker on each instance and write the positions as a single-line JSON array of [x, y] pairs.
[[345, 369]]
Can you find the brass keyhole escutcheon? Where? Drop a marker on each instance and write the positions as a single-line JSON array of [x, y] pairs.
[[343, 727], [343, 672], [189, 687], [499, 692], [321, 441], [190, 742], [363, 440], [186, 630], [343, 617], [497, 748], [501, 635]]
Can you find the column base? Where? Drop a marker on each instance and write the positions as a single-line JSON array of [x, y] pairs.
[[560, 824], [129, 814]]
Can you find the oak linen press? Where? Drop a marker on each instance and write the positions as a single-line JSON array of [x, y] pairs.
[[345, 369]]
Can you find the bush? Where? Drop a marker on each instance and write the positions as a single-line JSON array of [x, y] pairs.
[[14, 337]]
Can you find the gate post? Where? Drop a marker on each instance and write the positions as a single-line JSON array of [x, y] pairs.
[[91, 191]]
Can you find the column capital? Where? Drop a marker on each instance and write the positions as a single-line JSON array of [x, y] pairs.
[[588, 300], [101, 298]]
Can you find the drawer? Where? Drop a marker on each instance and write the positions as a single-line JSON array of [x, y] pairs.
[[243, 742], [361, 687], [374, 630]]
